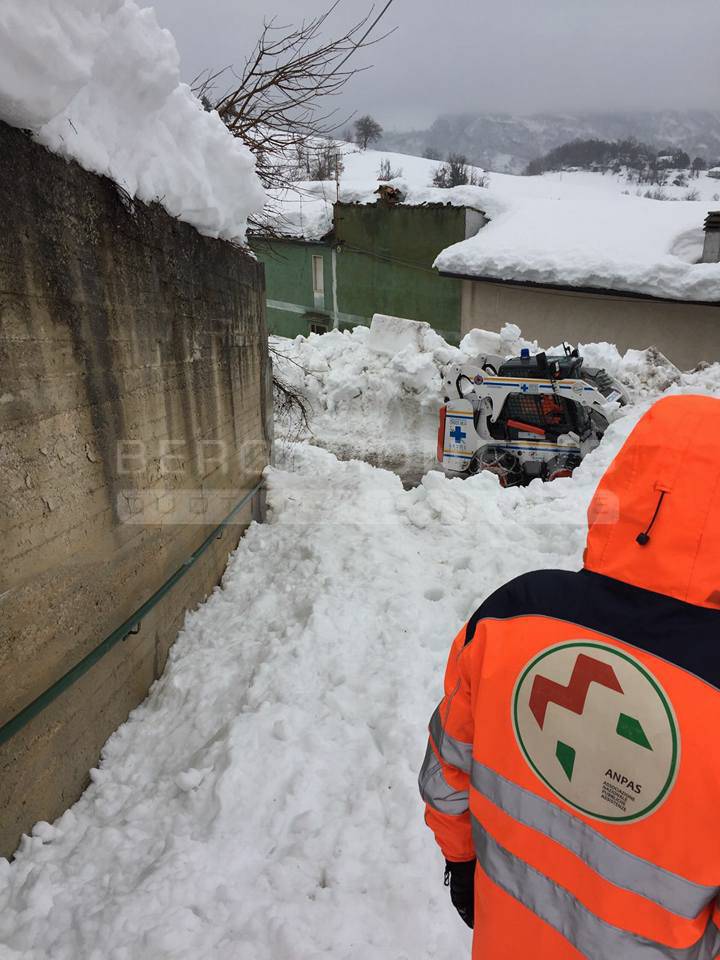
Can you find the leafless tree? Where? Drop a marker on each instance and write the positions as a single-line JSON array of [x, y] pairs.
[[455, 172], [321, 160], [386, 172], [277, 103], [367, 130], [698, 164]]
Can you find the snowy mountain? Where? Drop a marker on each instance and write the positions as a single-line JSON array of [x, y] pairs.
[[507, 143]]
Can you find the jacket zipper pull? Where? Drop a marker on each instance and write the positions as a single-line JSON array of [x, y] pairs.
[[644, 537]]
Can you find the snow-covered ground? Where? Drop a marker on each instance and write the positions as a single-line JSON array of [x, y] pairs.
[[98, 81], [262, 803]]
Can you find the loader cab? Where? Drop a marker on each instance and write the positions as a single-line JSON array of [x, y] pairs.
[[540, 417]]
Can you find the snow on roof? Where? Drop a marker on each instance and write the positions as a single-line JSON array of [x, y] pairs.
[[306, 210], [591, 239], [303, 212], [98, 81], [418, 196]]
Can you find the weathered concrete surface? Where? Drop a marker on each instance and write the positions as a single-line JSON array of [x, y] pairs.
[[686, 333], [133, 370]]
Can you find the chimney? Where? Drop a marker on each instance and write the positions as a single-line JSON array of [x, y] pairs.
[[711, 249]]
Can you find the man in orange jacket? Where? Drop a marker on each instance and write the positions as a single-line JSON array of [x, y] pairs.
[[572, 777]]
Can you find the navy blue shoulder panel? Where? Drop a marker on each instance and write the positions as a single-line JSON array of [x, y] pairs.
[[681, 633]]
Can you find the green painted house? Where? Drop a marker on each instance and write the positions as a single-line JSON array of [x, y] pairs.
[[374, 258]]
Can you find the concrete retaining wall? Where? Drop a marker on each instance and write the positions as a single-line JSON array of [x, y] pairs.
[[133, 415]]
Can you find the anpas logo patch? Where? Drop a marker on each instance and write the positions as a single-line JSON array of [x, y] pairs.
[[598, 729]]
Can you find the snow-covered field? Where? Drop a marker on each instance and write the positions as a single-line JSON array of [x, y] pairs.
[[262, 803], [363, 165]]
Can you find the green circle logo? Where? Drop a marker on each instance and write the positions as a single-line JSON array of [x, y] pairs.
[[598, 729]]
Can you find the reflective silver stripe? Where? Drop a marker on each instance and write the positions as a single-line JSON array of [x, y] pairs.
[[455, 752], [624, 869], [592, 937], [435, 790]]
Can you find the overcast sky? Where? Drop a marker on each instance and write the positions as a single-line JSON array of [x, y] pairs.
[[516, 56]]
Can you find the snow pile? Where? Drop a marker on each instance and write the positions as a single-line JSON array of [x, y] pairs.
[[263, 802], [98, 81], [508, 342], [602, 241], [374, 393]]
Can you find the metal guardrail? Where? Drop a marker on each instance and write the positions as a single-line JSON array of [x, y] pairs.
[[131, 625]]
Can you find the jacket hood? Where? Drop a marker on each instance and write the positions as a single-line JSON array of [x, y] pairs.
[[669, 470]]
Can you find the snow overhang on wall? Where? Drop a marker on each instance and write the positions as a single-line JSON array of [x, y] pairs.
[[98, 81]]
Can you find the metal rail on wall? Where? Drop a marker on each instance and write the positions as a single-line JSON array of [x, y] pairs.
[[131, 625]]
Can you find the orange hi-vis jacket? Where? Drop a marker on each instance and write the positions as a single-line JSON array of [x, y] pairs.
[[576, 752]]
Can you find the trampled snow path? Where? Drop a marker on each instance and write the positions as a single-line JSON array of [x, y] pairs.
[[262, 803]]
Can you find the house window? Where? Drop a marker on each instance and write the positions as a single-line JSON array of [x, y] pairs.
[[318, 277], [317, 327]]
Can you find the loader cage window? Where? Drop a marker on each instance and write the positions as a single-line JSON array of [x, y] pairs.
[[554, 414]]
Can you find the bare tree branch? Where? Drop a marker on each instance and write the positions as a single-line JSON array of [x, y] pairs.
[[276, 104], [292, 408]]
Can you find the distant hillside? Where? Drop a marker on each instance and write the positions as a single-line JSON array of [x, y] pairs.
[[615, 155], [507, 143]]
